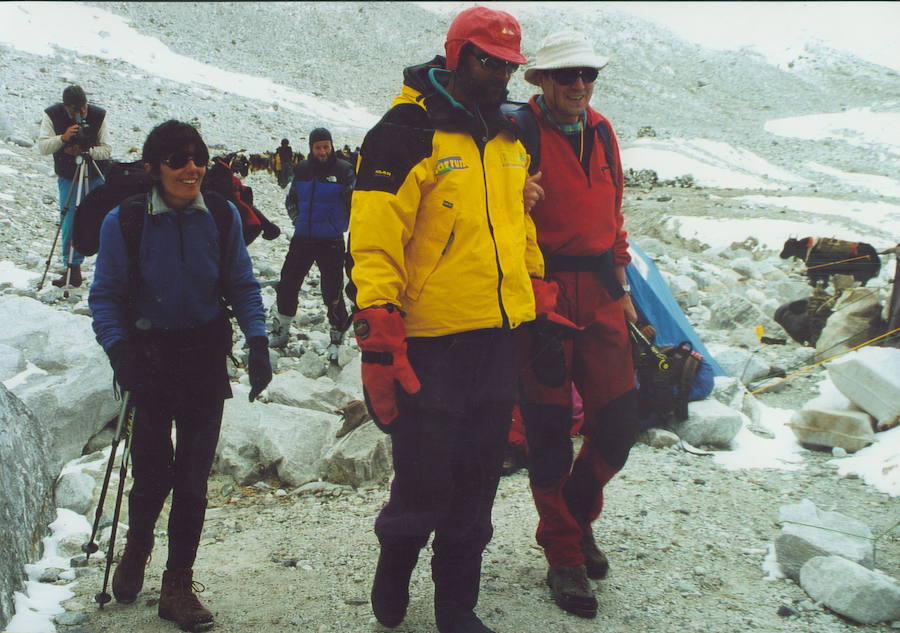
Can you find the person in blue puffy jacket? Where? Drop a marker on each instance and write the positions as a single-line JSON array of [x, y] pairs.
[[318, 203], [158, 303]]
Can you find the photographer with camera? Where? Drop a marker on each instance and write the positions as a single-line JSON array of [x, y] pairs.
[[76, 134]]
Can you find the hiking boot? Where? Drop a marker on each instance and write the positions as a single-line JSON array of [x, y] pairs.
[[178, 602], [571, 590], [390, 589], [595, 561], [281, 330], [465, 622], [355, 414], [75, 279], [129, 577], [337, 336]]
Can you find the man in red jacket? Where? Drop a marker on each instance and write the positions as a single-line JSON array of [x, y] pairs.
[[582, 304]]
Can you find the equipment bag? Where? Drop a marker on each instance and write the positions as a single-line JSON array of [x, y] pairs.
[[220, 179]]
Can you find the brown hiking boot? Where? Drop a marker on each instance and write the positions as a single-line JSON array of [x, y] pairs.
[[571, 590], [595, 561], [178, 603], [129, 576], [355, 415]]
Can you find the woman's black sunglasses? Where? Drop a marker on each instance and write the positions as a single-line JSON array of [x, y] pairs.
[[179, 159], [493, 64], [568, 76]]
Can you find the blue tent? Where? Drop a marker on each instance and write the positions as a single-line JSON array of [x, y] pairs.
[[652, 297]]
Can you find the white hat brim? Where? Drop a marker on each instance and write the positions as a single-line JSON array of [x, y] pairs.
[[533, 73]]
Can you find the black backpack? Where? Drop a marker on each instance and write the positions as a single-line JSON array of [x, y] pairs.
[[123, 180], [665, 375]]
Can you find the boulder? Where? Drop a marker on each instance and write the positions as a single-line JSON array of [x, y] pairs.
[[870, 379], [361, 457], [26, 479], [732, 311], [808, 531], [71, 394], [75, 492], [709, 423], [855, 318], [847, 588], [739, 363], [260, 439], [11, 362], [849, 430], [293, 389]]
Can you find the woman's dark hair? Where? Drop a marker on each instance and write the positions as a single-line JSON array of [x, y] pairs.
[[169, 137]]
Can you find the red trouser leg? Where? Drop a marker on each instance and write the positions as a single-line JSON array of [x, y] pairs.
[[569, 496]]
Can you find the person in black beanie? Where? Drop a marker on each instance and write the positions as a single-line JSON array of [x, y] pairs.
[[167, 334], [318, 202]]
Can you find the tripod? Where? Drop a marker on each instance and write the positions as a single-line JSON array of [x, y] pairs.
[[80, 187]]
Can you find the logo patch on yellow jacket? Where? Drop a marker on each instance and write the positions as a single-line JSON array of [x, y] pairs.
[[513, 159], [449, 164]]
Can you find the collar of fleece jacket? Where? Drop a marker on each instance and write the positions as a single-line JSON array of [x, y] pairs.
[[447, 117]]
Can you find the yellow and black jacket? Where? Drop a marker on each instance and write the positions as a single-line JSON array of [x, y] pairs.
[[437, 224]]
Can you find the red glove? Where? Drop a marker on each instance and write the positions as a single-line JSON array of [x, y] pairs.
[[381, 335]]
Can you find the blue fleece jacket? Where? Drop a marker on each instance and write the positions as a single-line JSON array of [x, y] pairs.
[[179, 262]]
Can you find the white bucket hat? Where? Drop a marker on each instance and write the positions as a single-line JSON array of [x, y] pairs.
[[564, 49]]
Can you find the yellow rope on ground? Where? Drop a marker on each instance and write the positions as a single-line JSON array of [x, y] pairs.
[[816, 364]]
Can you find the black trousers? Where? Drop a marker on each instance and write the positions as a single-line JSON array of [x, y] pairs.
[[188, 385], [328, 255], [448, 443]]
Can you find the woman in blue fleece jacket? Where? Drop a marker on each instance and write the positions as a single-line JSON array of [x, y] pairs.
[[167, 334]]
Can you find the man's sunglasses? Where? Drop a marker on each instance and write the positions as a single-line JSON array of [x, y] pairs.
[[177, 160], [493, 64], [568, 76]]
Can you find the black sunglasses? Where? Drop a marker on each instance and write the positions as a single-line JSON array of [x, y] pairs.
[[179, 159], [493, 64], [568, 76]]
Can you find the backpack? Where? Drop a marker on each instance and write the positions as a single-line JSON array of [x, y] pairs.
[[221, 180], [123, 180], [668, 378]]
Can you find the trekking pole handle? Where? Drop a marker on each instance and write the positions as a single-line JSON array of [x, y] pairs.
[[126, 397]]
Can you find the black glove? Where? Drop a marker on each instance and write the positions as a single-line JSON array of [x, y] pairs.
[[129, 368], [270, 231], [260, 368], [549, 360]]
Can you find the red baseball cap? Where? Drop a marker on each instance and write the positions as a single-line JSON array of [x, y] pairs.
[[497, 33]]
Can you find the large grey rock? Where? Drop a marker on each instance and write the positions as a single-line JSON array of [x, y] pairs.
[[709, 423], [850, 430], [75, 491], [739, 363], [259, 439], [854, 319], [863, 595], [11, 362], [808, 531], [732, 311], [26, 482], [293, 389], [870, 379], [72, 396], [361, 457]]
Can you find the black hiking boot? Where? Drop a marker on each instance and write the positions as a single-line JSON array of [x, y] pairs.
[[75, 279], [390, 589], [571, 590], [129, 577], [595, 561]]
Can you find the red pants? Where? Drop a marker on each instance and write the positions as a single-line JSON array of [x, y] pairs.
[[569, 494]]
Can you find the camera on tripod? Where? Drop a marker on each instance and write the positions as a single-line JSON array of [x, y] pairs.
[[81, 137]]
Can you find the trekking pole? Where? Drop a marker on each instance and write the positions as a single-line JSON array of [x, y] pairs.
[[91, 546], [103, 597], [65, 210]]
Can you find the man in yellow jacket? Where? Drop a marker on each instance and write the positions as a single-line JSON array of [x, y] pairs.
[[442, 251]]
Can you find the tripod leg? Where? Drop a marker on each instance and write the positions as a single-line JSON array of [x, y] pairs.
[[82, 177], [65, 210]]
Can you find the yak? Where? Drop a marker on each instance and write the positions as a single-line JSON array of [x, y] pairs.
[[828, 256]]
